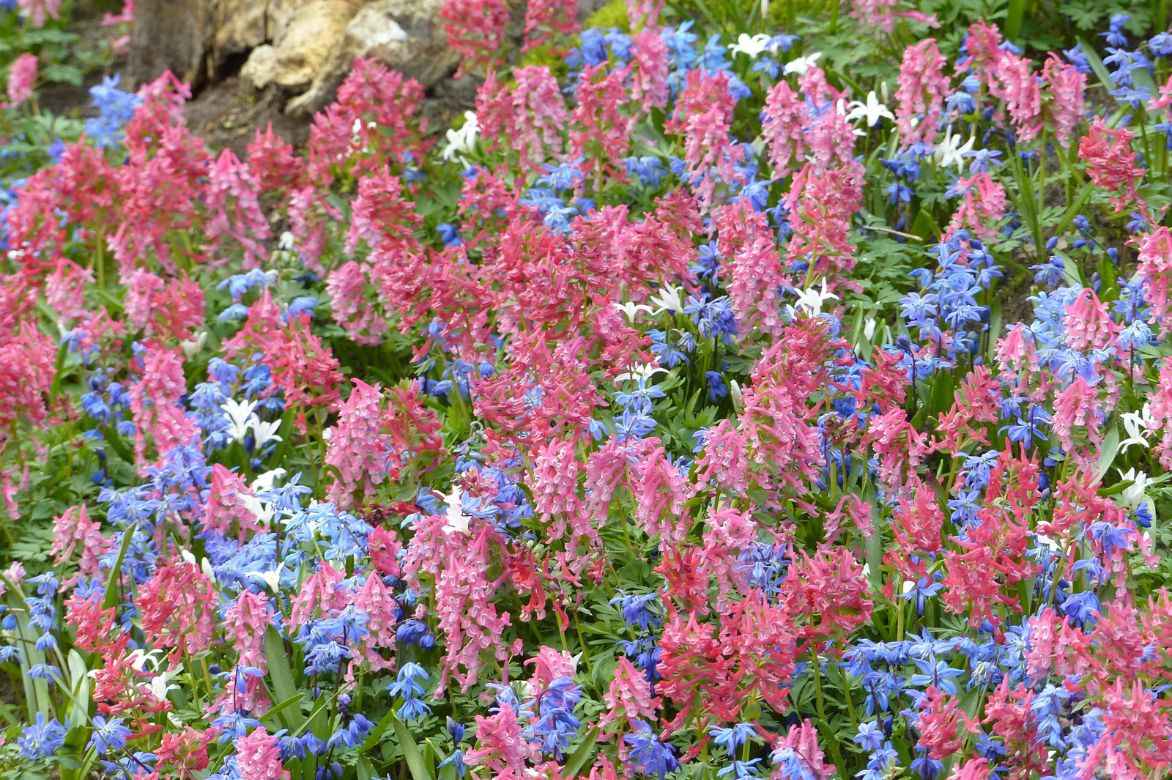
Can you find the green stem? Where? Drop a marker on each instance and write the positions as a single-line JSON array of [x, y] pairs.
[[820, 703]]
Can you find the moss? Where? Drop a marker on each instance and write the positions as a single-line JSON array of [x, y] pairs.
[[613, 14]]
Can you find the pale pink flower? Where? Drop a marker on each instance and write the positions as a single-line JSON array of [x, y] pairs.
[[258, 757], [22, 77], [920, 96], [40, 11]]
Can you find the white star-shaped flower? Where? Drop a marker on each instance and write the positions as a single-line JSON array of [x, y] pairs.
[[951, 151], [872, 110], [811, 300], [801, 64], [240, 414], [752, 46], [632, 309], [457, 521], [264, 431], [463, 140], [668, 299]]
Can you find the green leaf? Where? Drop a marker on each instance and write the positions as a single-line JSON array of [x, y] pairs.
[[579, 757], [63, 74], [293, 702], [1096, 64], [281, 676], [110, 599], [419, 770], [79, 684], [1108, 449]]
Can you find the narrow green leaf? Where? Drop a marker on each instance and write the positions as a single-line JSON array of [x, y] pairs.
[[579, 757], [376, 734], [1096, 64], [1014, 19], [79, 684], [419, 770], [110, 599], [281, 676], [293, 702], [1108, 449]]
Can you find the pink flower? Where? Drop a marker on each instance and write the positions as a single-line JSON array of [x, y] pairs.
[[801, 741], [39, 11], [373, 123], [983, 206], [233, 200], [1161, 405], [756, 275], [22, 77], [378, 603], [629, 696], [548, 20], [1067, 86], [378, 436], [500, 744], [783, 126], [177, 608], [272, 162], [649, 53], [920, 96], [258, 757], [163, 309], [940, 722], [1018, 87], [600, 131], [74, 529], [301, 365], [476, 31], [226, 510], [1155, 269], [821, 204], [1111, 162], [246, 622], [321, 595], [26, 374], [155, 405], [1088, 324]]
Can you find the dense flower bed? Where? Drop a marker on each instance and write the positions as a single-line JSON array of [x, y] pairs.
[[692, 409]]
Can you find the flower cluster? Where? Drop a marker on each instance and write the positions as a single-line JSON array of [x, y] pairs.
[[685, 412]]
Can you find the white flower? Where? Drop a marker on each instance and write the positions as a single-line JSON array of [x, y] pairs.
[[750, 45], [950, 151], [272, 579], [160, 684], [872, 110], [267, 480], [240, 415], [801, 64], [264, 431], [670, 299], [1135, 493], [632, 309], [738, 399], [811, 300], [463, 140], [1137, 425], [457, 521], [641, 373], [193, 345], [869, 329], [263, 511]]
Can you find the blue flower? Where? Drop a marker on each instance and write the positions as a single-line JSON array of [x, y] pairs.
[[108, 735], [42, 739], [733, 737], [648, 755]]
